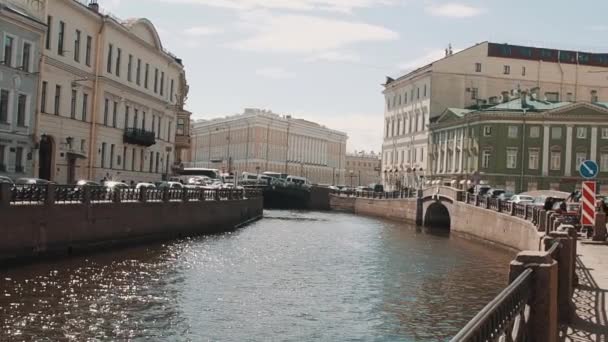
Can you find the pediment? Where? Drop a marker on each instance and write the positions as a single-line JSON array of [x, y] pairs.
[[578, 109]]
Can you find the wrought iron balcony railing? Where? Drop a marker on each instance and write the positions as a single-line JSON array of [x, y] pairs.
[[138, 136]]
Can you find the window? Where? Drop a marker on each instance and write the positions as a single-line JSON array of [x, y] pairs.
[[77, 46], [133, 160], [485, 159], [135, 115], [594, 96], [26, 57], [581, 132], [477, 67], [511, 158], [157, 161], [127, 109], [556, 160], [151, 162], [49, 27], [105, 111], [474, 93], [171, 92], [580, 158], [487, 131], [43, 97], [556, 132], [153, 124], [424, 94], [109, 61], [129, 67], [604, 132], [143, 120], [114, 114], [158, 128], [603, 161], [417, 93], [138, 72], [523, 71], [147, 72], [87, 57], [155, 80], [73, 105], [85, 105], [162, 85], [552, 96], [534, 132], [57, 99], [118, 56], [112, 156], [169, 132], [533, 159], [2, 158], [21, 110], [19, 160], [507, 69], [569, 97], [124, 158], [103, 155], [8, 50], [513, 130], [60, 41]]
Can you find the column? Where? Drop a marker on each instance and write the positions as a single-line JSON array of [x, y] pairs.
[[593, 155], [568, 170], [454, 151], [546, 152], [445, 152], [462, 137]]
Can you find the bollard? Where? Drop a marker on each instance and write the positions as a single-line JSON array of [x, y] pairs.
[[487, 204], [86, 195], [50, 195], [599, 229], [498, 202], [143, 194], [512, 209], [542, 220], [564, 277], [574, 237], [5, 195], [543, 323]]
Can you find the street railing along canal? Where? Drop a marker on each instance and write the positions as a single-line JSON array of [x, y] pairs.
[[70, 194]]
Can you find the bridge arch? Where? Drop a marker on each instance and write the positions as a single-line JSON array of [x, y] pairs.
[[437, 215]]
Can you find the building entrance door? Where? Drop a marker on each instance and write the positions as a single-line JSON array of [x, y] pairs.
[[45, 157]]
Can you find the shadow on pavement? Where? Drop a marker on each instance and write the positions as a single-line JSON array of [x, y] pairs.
[[590, 320]]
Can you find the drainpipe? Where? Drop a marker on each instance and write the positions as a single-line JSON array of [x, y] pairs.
[[92, 135], [523, 152]]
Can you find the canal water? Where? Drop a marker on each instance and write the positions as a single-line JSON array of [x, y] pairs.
[[293, 276]]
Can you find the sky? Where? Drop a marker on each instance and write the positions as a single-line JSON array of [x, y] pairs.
[[325, 60]]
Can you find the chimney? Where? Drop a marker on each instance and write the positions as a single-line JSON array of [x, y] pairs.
[[94, 6]]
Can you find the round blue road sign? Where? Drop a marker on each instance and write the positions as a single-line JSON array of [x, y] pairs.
[[589, 169]]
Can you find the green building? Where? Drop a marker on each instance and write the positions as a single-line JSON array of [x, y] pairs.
[[521, 145]]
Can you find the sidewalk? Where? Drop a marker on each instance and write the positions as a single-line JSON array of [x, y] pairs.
[[590, 322]]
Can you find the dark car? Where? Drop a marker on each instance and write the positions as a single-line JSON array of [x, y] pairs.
[[378, 188], [495, 193]]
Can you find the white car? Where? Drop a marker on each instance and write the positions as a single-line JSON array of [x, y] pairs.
[[145, 185], [522, 199]]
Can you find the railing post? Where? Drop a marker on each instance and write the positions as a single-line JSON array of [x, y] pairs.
[[574, 237], [543, 324], [487, 202], [477, 200], [512, 209], [542, 220], [498, 205], [564, 288], [165, 194], [86, 195], [5, 195], [143, 194], [116, 195], [217, 194], [50, 195]]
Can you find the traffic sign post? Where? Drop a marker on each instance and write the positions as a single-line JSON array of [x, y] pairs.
[[589, 169], [588, 210]]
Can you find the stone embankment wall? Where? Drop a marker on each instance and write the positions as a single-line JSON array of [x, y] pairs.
[[396, 209], [34, 230]]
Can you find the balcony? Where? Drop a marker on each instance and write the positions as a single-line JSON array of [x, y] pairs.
[[137, 136]]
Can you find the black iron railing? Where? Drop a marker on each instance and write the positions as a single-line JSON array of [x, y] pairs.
[[505, 318], [138, 136], [29, 194]]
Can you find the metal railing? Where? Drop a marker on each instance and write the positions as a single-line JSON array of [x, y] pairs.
[[71, 194], [505, 318], [411, 193]]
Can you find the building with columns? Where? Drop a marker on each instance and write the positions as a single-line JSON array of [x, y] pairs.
[[482, 75], [362, 169], [522, 145], [22, 28], [259, 140], [109, 97]]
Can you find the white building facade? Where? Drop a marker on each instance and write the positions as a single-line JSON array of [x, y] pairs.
[[484, 74], [258, 141], [109, 97]]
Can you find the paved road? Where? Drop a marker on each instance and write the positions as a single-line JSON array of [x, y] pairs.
[[590, 322]]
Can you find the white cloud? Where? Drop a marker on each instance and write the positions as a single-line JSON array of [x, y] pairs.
[[364, 130], [306, 34], [275, 73], [598, 28], [198, 31], [335, 56], [454, 10], [429, 57], [294, 5]]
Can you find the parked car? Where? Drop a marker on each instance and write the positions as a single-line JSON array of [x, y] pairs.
[[171, 185], [494, 193], [522, 199], [505, 196], [378, 188], [481, 190], [111, 185], [32, 181], [84, 182], [145, 185], [5, 179]]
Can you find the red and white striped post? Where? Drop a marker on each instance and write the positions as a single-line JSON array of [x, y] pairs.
[[588, 211]]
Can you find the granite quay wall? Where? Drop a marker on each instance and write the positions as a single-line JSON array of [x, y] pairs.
[[45, 222]]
